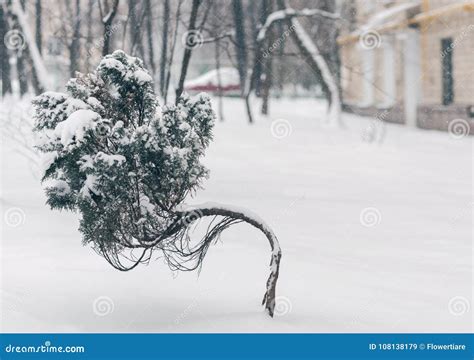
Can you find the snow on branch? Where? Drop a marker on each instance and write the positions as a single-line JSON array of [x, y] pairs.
[[309, 47], [107, 18], [290, 13]]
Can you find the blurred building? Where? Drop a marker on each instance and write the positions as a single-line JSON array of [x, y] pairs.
[[409, 62]]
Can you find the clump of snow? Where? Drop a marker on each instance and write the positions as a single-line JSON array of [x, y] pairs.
[[146, 207], [75, 126], [109, 159], [61, 187], [54, 96], [94, 102], [47, 159], [142, 77], [74, 105], [110, 63], [86, 162], [89, 187]]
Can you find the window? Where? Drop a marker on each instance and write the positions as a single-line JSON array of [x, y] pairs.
[[447, 70]]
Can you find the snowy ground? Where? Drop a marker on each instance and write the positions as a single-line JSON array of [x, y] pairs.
[[409, 272]]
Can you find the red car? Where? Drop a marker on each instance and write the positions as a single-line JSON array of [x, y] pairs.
[[208, 82]]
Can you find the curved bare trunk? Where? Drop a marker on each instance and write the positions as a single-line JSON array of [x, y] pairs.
[[196, 212]]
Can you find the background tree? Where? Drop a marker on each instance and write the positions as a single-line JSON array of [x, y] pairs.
[[172, 49], [135, 19], [74, 44], [5, 58], [108, 11], [240, 43], [149, 33], [28, 38], [307, 48], [266, 83], [190, 41], [164, 45], [39, 44], [38, 25], [19, 54]]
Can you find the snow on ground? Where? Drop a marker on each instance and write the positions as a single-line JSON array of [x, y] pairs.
[[320, 188]]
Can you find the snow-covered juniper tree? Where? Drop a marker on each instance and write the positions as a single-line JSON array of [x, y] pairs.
[[127, 165]]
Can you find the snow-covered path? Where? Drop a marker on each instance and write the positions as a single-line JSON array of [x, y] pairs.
[[320, 188]]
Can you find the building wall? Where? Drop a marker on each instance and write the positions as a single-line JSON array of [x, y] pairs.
[[458, 26], [431, 113]]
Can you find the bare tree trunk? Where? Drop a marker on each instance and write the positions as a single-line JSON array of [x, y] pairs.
[[239, 22], [20, 52], [326, 41], [22, 71], [33, 52], [267, 69], [107, 16], [75, 45], [5, 58], [196, 212], [164, 46], [280, 66], [321, 68], [219, 80], [89, 36], [39, 44], [149, 30], [248, 91], [266, 86], [255, 17], [173, 45], [308, 49], [188, 49], [136, 44], [254, 80], [38, 24]]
